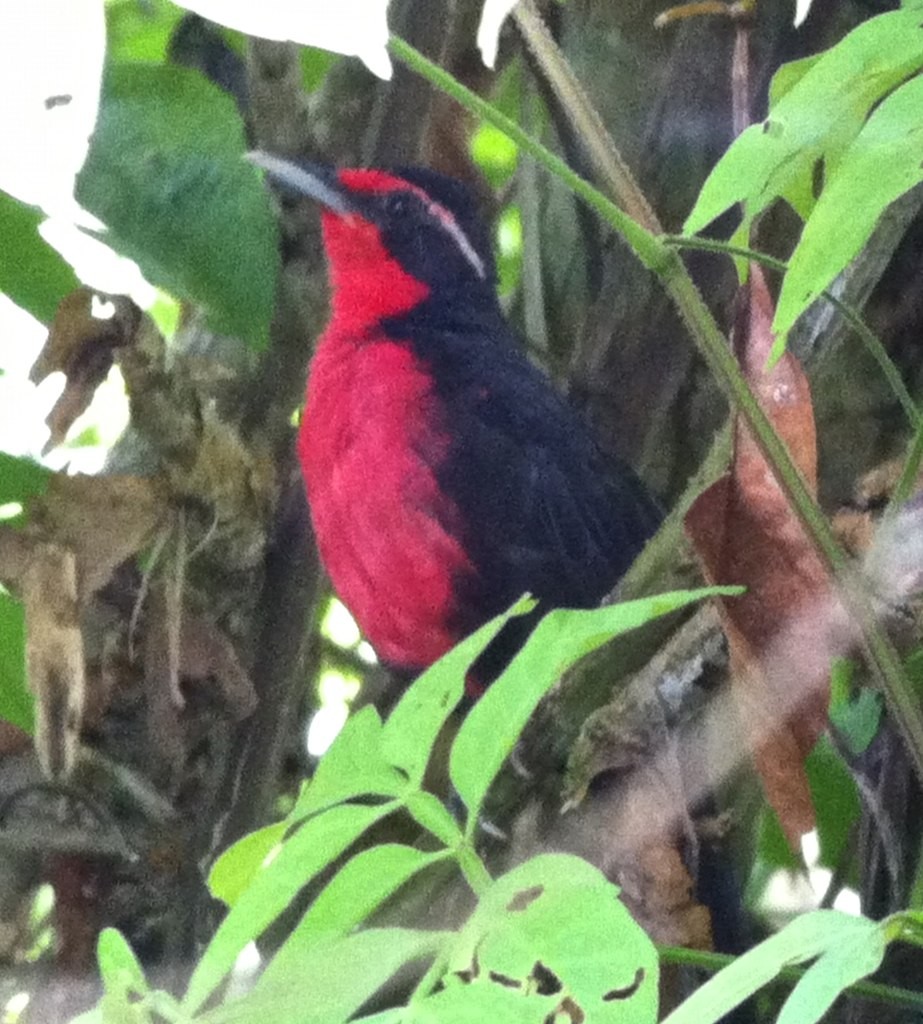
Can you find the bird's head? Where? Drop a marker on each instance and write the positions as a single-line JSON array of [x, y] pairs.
[[399, 228]]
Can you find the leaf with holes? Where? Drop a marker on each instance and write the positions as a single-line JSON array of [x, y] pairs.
[[554, 933]]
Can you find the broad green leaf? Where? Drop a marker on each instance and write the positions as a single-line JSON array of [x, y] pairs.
[[813, 123], [17, 704], [308, 851], [821, 933], [554, 929], [32, 274], [418, 718], [236, 868], [881, 165], [21, 478], [332, 980], [563, 636], [353, 766], [363, 883], [166, 175], [136, 32], [789, 75]]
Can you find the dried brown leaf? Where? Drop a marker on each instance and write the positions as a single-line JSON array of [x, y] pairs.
[[104, 520], [745, 532], [80, 344], [54, 656]]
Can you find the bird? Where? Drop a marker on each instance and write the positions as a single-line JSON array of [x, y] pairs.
[[445, 475]]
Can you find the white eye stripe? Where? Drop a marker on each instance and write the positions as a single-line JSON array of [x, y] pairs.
[[445, 218]]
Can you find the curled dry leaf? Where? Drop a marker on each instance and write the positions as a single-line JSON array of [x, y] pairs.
[[784, 630], [79, 531], [54, 656], [80, 344], [104, 520]]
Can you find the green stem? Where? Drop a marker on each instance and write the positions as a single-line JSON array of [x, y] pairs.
[[868, 337], [476, 874], [646, 246], [910, 473], [714, 962], [665, 262]]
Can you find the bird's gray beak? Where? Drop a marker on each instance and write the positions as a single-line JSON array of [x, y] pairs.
[[313, 181]]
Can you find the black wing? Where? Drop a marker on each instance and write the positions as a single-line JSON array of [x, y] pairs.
[[542, 509]]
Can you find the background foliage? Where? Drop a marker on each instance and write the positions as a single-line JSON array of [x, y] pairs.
[[195, 541]]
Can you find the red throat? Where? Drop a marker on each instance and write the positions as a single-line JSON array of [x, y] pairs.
[[368, 283]]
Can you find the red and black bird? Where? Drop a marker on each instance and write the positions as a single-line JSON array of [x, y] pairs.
[[445, 475]]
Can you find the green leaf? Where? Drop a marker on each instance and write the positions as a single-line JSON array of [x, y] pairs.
[[858, 953], [136, 32], [838, 807], [813, 122], [432, 814], [477, 1004], [353, 766], [563, 636], [789, 75], [880, 166], [554, 929], [313, 847], [165, 173], [363, 883], [17, 704], [332, 980], [21, 478], [126, 988], [236, 868], [32, 274], [848, 947], [315, 66], [418, 718], [856, 718]]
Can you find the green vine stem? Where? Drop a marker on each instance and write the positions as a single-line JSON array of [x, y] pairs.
[[868, 337], [665, 262], [476, 874]]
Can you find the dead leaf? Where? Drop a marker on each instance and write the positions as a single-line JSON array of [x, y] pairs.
[[54, 656], [744, 532], [104, 520], [80, 345]]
